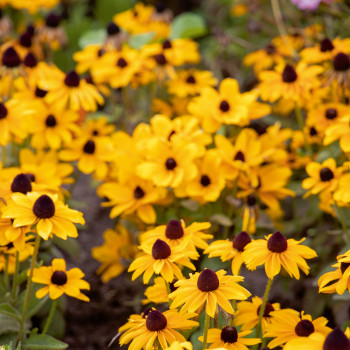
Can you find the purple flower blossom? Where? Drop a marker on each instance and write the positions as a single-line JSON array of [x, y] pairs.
[[308, 4]]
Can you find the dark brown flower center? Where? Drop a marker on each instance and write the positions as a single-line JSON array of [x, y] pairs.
[[341, 62], [241, 240], [224, 106], [167, 44], [277, 243], [40, 93], [51, 121], [344, 266], [251, 200], [270, 49], [44, 207], [25, 40], [191, 79], [72, 79], [326, 174], [89, 147], [326, 45], [336, 340], [160, 250], [112, 29], [304, 328], [122, 63], [229, 335], [160, 59], [59, 278], [205, 181], [312, 131], [156, 321], [3, 111], [21, 184], [30, 60], [170, 164], [10, 58], [52, 20], [331, 113], [31, 177], [208, 281], [289, 74], [174, 229], [239, 156], [138, 192], [268, 308]]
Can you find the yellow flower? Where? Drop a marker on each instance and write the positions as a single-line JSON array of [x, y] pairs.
[[158, 293], [289, 324], [342, 193], [180, 346], [229, 338], [275, 251], [118, 246], [339, 130], [59, 281], [49, 214], [208, 288], [98, 127], [88, 57]]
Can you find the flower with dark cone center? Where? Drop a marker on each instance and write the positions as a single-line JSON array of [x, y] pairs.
[[122, 63], [224, 106], [229, 335], [326, 174], [50, 121], [170, 164], [44, 207], [241, 240], [277, 243], [251, 200], [30, 60], [31, 177], [208, 281], [21, 184], [72, 79], [52, 20], [239, 156], [341, 62], [268, 308], [95, 133], [270, 49], [3, 111], [167, 45], [112, 28], [326, 45], [313, 131], [10, 58], [40, 93], [205, 181], [331, 113], [89, 147], [289, 74], [304, 328], [336, 340], [138, 192], [25, 40], [191, 79], [160, 250], [344, 266], [59, 278], [174, 229], [160, 59], [156, 321]]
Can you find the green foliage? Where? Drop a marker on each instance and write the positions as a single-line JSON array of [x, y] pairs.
[[42, 341], [188, 25]]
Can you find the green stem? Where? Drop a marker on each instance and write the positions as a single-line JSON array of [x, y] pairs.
[[6, 272], [49, 319], [15, 278], [261, 312], [29, 287], [342, 222], [205, 333], [301, 124]]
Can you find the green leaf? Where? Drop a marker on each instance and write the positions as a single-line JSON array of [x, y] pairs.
[[188, 25], [138, 40], [70, 246], [96, 36], [43, 341], [9, 310], [8, 324]]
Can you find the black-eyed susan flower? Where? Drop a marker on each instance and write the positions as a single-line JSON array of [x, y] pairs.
[[339, 130], [118, 246], [337, 281], [208, 289], [49, 214], [180, 346], [158, 258], [98, 127], [88, 57], [230, 250], [342, 194], [289, 324], [60, 281], [158, 293], [229, 338], [156, 326], [247, 314], [275, 251]]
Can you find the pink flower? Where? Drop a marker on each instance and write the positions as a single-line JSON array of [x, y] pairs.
[[308, 4]]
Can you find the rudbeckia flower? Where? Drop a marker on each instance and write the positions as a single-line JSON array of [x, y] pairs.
[[275, 251], [208, 289], [337, 281], [247, 314], [342, 194], [338, 74], [158, 258], [156, 326], [59, 281], [229, 338], [88, 57], [230, 250], [49, 214], [98, 127], [158, 293], [339, 130], [289, 324], [8, 255], [180, 346]]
